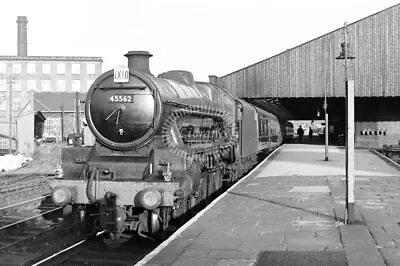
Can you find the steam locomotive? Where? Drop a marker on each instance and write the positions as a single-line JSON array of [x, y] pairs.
[[164, 145]]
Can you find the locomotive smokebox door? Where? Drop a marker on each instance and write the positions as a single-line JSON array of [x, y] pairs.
[[122, 109]]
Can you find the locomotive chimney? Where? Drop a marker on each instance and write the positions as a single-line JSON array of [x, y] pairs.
[[139, 61], [22, 36]]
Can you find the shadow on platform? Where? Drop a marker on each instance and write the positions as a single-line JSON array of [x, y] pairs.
[[306, 258], [316, 213]]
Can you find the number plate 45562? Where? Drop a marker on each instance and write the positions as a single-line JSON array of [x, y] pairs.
[[121, 98]]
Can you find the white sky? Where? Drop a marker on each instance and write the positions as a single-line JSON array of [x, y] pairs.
[[202, 36]]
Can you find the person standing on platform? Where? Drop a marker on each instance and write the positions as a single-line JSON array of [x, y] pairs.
[[300, 132], [310, 133]]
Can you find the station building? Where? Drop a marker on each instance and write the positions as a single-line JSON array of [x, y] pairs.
[[299, 78], [23, 80]]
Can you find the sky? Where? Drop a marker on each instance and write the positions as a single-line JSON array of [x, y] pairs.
[[205, 37]]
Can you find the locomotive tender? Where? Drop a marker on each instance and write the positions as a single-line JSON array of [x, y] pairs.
[[163, 146]]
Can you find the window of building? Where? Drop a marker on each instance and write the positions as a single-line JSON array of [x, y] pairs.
[[76, 85], [17, 85], [46, 85], [3, 68], [60, 85], [31, 85], [60, 68], [76, 68], [52, 127], [31, 68], [3, 85], [3, 143], [46, 68], [3, 101], [16, 67], [91, 68]]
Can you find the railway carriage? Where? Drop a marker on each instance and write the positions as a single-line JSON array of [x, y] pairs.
[[288, 131], [164, 145]]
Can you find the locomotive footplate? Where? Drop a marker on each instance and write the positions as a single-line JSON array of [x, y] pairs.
[[126, 191]]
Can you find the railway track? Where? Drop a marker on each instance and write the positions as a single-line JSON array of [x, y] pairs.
[[24, 220], [34, 233], [96, 251], [9, 179], [26, 215], [19, 187]]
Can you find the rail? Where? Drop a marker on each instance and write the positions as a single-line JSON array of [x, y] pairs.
[[388, 150], [29, 218]]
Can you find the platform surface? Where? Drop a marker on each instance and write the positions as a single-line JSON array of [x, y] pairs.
[[290, 211]]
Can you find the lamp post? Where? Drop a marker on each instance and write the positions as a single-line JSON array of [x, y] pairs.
[[349, 86], [326, 127]]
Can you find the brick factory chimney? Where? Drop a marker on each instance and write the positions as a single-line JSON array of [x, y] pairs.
[[139, 61], [22, 36]]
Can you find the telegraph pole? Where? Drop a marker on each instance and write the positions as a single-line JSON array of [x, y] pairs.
[[77, 126], [10, 132], [62, 121], [349, 86], [77, 137]]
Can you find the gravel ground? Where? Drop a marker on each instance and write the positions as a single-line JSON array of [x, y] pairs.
[[47, 159]]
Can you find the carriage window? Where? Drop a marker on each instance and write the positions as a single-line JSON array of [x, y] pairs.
[[264, 127]]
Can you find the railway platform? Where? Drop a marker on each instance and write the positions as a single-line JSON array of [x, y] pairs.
[[290, 211]]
